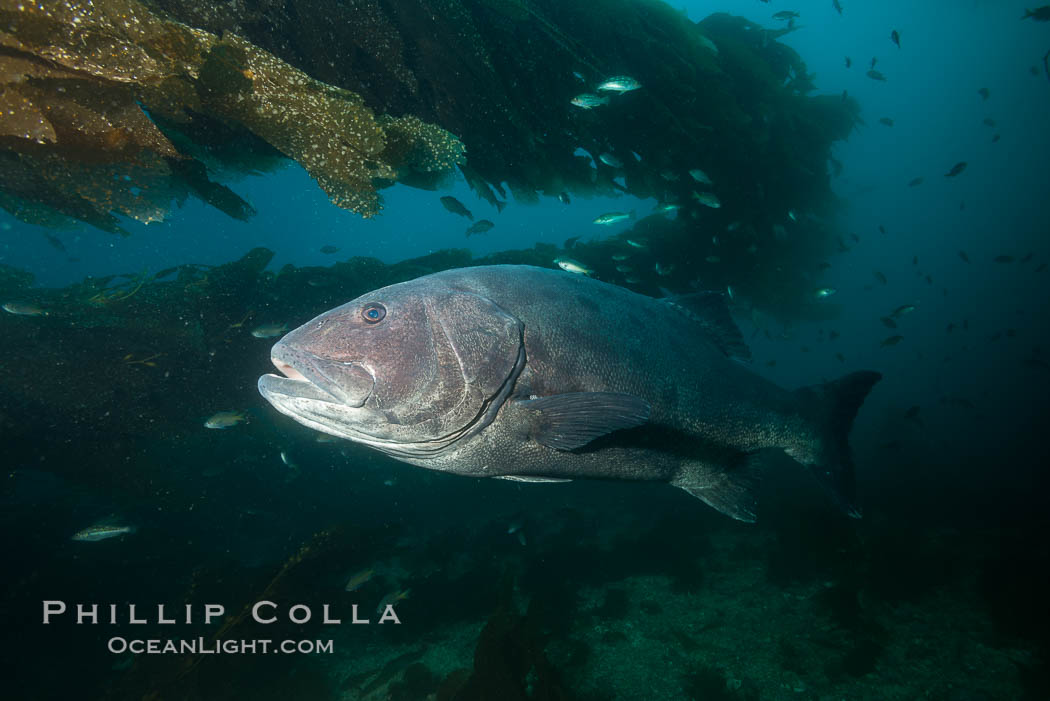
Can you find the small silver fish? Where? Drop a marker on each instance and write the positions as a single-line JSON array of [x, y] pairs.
[[667, 207], [518, 528], [269, 330], [573, 266], [359, 579], [96, 533], [225, 419], [515, 526], [613, 218], [456, 207], [619, 84], [708, 199], [391, 599], [902, 310], [624, 269], [480, 227], [700, 177], [637, 243], [824, 292], [619, 257], [588, 101], [610, 160], [23, 309]]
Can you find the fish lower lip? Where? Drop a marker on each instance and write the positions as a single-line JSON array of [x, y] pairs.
[[293, 387]]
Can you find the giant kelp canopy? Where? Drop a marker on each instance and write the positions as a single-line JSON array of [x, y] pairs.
[[106, 103], [500, 74], [119, 107]]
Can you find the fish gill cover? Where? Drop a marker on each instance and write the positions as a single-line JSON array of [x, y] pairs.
[[123, 108]]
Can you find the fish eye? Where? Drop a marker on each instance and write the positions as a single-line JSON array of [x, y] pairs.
[[373, 313]]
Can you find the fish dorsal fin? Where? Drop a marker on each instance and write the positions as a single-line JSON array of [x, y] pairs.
[[709, 309]]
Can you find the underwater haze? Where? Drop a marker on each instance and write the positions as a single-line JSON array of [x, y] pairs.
[[768, 226]]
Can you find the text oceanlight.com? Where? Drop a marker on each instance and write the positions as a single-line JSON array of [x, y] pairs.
[[203, 646]]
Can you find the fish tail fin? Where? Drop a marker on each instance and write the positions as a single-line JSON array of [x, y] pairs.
[[499, 206], [733, 490], [833, 405]]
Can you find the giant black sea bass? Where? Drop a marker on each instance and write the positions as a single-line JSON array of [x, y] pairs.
[[538, 375]]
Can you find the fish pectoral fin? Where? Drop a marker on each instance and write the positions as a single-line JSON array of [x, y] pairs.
[[733, 490], [530, 478], [572, 420], [709, 309]]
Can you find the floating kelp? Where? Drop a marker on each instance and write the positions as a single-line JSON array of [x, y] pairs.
[[501, 74], [722, 95], [87, 86], [498, 74], [140, 113]]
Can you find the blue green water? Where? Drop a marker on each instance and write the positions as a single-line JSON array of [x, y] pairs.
[[590, 590]]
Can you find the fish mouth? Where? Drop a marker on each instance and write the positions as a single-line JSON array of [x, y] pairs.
[[305, 376]]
